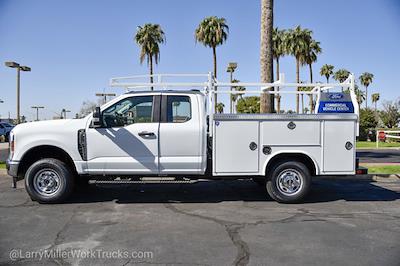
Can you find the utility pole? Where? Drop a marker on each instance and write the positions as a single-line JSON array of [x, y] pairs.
[[104, 95], [19, 68], [230, 69], [37, 111], [64, 113]]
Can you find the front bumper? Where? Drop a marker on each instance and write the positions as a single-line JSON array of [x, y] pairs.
[[12, 168]]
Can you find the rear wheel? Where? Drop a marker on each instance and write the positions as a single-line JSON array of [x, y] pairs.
[[49, 181], [289, 182]]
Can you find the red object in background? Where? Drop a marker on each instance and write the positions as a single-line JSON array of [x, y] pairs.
[[382, 136]]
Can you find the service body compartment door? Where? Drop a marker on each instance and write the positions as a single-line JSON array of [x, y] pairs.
[[236, 146], [338, 158]]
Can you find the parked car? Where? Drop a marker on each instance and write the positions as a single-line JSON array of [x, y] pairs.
[[5, 129]]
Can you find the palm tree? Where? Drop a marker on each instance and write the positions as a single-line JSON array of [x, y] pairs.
[[211, 32], [366, 79], [327, 71], [220, 108], [279, 50], [297, 41], [236, 96], [148, 37], [310, 56], [375, 98], [341, 75], [266, 54], [302, 99]]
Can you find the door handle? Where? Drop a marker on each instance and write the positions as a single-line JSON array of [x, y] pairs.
[[146, 134]]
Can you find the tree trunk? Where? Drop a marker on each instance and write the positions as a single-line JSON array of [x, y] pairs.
[[297, 81], [266, 59], [366, 97], [151, 69], [302, 103], [278, 96], [230, 95], [215, 75]]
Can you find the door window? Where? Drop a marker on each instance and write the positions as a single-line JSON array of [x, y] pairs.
[[131, 110], [178, 109]]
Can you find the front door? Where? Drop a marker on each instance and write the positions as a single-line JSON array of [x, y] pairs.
[[128, 141]]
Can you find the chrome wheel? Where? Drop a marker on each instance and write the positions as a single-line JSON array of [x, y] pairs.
[[46, 182], [289, 182]]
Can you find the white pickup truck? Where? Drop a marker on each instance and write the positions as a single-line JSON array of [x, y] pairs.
[[174, 133]]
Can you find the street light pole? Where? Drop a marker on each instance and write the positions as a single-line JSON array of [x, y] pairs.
[[19, 68], [37, 111], [230, 69]]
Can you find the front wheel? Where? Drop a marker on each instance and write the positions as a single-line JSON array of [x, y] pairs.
[[289, 182], [49, 181]]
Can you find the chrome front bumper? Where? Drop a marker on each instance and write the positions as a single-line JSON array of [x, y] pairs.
[[12, 168]]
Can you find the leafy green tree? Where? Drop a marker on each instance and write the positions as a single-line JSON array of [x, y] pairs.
[[235, 96], [266, 53], [368, 120], [375, 98], [148, 37], [327, 71], [366, 79], [390, 114], [297, 41], [248, 105], [212, 32], [220, 108]]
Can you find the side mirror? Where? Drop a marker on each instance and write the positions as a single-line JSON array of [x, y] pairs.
[[97, 120]]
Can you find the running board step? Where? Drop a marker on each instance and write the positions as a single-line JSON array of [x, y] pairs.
[[145, 181]]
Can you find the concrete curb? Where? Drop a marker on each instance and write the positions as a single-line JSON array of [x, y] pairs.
[[369, 177]]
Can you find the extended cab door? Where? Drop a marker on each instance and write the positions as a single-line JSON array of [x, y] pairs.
[[128, 141], [180, 135]]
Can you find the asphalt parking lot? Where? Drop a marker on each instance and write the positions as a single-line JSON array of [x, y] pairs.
[[342, 222]]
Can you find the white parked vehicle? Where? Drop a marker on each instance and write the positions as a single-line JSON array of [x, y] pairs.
[[175, 133]]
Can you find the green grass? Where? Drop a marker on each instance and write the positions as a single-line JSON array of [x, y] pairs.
[[2, 165], [372, 144], [382, 169]]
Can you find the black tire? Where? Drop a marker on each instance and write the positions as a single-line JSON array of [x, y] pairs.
[[56, 170], [292, 191]]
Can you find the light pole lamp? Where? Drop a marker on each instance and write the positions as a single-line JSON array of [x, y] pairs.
[[1, 101], [230, 69], [19, 68], [37, 111], [64, 111]]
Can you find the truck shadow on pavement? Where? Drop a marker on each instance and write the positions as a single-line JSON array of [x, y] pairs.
[[232, 190]]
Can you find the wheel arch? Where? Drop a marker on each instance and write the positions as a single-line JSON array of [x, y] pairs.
[[298, 156], [44, 151]]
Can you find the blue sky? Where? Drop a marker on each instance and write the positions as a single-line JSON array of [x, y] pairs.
[[74, 47]]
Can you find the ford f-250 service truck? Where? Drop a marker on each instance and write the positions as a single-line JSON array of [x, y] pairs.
[[175, 133]]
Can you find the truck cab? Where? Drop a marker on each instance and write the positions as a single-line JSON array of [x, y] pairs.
[[142, 133]]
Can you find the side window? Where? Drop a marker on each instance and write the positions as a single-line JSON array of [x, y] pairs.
[[178, 109], [131, 110]]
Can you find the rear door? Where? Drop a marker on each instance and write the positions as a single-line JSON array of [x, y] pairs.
[[180, 133]]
